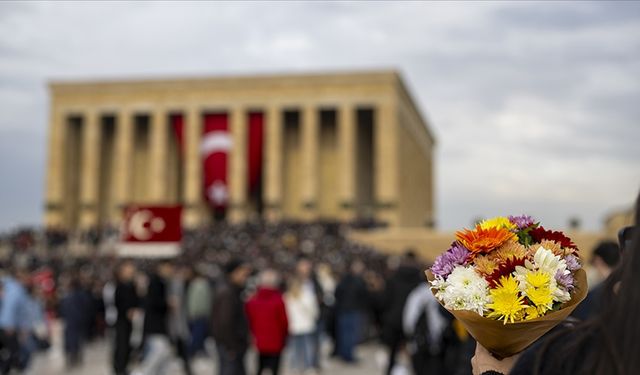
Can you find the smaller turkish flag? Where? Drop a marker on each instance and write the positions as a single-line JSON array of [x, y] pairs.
[[153, 231]]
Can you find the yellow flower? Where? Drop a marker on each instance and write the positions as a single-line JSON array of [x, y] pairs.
[[531, 312], [538, 290], [497, 222], [507, 303], [541, 297], [537, 279]]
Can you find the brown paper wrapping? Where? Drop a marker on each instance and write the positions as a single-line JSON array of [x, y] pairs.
[[505, 340]]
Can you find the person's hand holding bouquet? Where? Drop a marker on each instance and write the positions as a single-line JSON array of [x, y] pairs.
[[509, 281]]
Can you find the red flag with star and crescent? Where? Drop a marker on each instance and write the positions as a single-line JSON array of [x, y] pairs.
[[151, 231]]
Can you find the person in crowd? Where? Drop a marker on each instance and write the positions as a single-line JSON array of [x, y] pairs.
[[302, 313], [423, 325], [36, 330], [268, 322], [327, 283], [608, 344], [178, 321], [228, 320], [156, 319], [126, 303], [13, 311], [75, 311], [352, 300], [198, 310], [604, 260], [304, 273], [403, 281]]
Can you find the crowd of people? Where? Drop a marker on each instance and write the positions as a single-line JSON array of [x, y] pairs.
[[294, 293]]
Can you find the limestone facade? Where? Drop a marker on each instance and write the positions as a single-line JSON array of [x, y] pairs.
[[335, 146]]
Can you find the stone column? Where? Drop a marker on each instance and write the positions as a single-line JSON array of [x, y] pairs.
[[56, 169], [158, 149], [238, 166], [123, 161], [347, 149], [272, 166], [386, 177], [90, 170], [309, 172], [193, 197]]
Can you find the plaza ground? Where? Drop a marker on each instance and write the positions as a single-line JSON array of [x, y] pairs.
[[97, 361]]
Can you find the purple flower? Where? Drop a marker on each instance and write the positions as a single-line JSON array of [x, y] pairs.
[[572, 261], [448, 260], [522, 221], [565, 281]]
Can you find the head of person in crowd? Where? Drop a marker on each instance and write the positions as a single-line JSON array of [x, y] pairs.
[[184, 271], [164, 269], [21, 275], [605, 258], [126, 271], [357, 267], [410, 256], [269, 279], [237, 272], [304, 267]]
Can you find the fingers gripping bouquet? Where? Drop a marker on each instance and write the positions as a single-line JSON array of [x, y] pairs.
[[509, 281]]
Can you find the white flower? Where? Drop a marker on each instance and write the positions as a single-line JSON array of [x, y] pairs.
[[464, 289], [544, 260]]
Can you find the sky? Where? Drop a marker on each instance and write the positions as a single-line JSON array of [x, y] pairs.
[[535, 106]]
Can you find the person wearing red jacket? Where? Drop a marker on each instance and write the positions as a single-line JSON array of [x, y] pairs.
[[268, 321]]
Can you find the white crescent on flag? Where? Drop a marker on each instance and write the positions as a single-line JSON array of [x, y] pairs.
[[216, 141]]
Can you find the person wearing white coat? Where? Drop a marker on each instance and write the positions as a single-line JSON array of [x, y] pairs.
[[302, 313]]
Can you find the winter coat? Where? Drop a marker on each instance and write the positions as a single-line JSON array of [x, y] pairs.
[[268, 322]]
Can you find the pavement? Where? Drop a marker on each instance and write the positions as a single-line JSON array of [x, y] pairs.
[[96, 361]]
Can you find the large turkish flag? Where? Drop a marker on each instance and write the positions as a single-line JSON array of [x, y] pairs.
[[215, 147], [151, 231]]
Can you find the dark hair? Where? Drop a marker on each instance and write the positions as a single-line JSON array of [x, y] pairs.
[[609, 252], [233, 265], [609, 343]]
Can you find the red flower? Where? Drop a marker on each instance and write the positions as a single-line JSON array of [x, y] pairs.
[[539, 234], [504, 269]]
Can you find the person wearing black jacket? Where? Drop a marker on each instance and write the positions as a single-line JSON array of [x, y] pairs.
[[229, 324], [352, 300], [126, 302], [156, 313], [404, 280]]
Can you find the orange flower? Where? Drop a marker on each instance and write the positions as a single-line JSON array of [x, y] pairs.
[[483, 241]]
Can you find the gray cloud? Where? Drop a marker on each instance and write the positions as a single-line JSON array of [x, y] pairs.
[[534, 104]]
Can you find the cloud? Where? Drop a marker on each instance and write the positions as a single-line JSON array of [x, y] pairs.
[[534, 104]]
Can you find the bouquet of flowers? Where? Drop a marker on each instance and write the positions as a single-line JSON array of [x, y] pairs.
[[509, 281]]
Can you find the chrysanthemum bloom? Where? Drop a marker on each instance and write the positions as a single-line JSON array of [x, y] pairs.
[[504, 269], [485, 265], [447, 261], [522, 221], [464, 289], [539, 234], [553, 246], [573, 263], [509, 250], [564, 280], [544, 263], [497, 222], [508, 304], [538, 290], [483, 241]]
